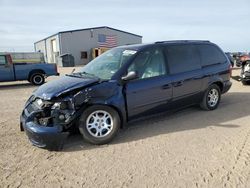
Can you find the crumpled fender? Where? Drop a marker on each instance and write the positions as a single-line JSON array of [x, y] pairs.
[[106, 93]]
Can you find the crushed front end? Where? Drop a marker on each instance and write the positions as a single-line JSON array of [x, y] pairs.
[[46, 123], [245, 72]]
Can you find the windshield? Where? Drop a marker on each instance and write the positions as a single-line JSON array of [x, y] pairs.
[[107, 64]]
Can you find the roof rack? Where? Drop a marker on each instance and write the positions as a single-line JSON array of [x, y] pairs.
[[181, 41]]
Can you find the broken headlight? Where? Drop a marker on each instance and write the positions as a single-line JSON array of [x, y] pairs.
[[39, 103]]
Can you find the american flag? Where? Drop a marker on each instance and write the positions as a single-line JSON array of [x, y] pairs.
[[107, 41]]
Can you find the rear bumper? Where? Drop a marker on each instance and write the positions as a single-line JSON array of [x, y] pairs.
[[227, 86], [50, 137]]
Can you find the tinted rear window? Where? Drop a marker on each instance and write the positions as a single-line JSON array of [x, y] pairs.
[[182, 58], [210, 55]]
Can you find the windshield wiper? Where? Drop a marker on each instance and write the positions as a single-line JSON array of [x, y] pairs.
[[81, 74], [86, 73]]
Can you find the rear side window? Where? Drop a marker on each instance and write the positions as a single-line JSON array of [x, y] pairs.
[[182, 58], [210, 55]]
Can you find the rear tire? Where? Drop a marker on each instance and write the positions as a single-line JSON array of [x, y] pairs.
[[211, 98], [37, 79], [99, 124]]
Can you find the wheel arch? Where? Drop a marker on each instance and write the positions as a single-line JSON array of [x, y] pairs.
[[36, 71], [217, 81], [219, 84]]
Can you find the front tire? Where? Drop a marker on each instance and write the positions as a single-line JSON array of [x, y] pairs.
[[211, 98], [99, 124]]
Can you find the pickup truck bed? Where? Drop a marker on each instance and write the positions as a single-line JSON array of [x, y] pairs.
[[23, 71], [33, 72]]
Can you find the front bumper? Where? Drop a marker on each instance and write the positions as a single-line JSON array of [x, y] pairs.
[[227, 86], [50, 137]]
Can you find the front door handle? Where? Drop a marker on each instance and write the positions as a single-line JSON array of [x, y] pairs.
[[166, 86], [177, 84]]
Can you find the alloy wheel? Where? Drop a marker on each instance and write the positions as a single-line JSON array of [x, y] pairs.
[[99, 123], [213, 97]]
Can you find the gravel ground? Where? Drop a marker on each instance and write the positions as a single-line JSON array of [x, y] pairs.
[[189, 148]]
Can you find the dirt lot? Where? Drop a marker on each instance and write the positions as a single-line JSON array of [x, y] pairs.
[[190, 148]]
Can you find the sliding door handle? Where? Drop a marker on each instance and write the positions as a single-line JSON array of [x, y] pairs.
[[177, 84]]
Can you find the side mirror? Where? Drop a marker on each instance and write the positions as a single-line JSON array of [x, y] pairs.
[[130, 76]]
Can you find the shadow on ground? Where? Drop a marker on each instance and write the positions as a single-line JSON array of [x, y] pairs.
[[232, 107], [21, 85], [237, 78]]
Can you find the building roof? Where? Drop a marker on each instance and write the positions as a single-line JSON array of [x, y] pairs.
[[92, 28]]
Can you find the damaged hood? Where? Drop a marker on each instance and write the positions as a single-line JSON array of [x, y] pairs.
[[63, 85]]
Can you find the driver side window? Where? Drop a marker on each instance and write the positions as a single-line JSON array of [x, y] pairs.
[[149, 64], [2, 60]]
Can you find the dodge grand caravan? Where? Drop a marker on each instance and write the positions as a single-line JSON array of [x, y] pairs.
[[123, 84]]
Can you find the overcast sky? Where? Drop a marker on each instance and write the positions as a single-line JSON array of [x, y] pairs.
[[225, 22]]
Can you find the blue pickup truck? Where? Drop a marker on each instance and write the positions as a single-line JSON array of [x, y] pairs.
[[35, 73]]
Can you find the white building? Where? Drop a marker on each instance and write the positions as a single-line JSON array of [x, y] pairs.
[[83, 44]]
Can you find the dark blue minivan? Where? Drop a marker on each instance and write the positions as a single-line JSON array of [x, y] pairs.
[[123, 84]]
